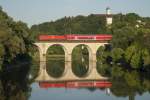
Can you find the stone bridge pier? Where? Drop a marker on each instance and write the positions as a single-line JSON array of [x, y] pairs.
[[68, 74]]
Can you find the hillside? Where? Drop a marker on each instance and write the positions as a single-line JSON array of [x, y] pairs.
[[131, 36], [92, 24], [75, 25]]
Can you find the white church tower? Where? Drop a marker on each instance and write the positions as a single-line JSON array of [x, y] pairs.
[[108, 16]]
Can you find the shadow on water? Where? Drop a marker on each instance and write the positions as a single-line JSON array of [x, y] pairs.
[[14, 79]]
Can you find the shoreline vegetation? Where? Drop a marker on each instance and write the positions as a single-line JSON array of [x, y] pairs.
[[128, 51]]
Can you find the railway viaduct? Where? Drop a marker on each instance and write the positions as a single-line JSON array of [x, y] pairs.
[[68, 47]]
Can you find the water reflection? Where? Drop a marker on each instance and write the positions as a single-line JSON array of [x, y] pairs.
[[76, 84], [130, 85], [80, 60], [15, 84], [80, 94]]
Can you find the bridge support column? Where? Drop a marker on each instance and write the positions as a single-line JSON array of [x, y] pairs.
[[94, 60], [69, 74], [94, 73], [42, 75]]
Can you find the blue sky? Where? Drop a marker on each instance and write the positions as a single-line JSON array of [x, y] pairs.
[[38, 11]]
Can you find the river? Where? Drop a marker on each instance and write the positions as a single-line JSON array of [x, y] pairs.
[[17, 83], [79, 94]]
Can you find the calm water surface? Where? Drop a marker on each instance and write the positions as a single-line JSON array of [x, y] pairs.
[[16, 85], [38, 93]]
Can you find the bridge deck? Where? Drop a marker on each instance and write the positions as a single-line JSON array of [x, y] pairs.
[[75, 41]]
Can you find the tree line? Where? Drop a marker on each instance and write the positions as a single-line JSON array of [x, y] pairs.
[[130, 46], [14, 38]]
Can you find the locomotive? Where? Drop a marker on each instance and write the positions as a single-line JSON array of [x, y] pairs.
[[101, 37]]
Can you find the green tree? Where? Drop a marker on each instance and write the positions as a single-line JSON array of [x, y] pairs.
[[130, 51], [123, 37], [132, 79], [117, 54], [13, 37], [146, 57], [136, 61], [2, 53]]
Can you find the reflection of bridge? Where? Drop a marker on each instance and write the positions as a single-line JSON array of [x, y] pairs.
[[68, 46], [76, 84]]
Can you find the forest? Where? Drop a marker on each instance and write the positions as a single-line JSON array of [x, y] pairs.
[[129, 48]]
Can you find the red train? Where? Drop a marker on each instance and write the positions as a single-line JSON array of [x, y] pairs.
[[102, 37]]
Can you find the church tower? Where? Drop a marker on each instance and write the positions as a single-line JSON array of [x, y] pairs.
[[108, 16]]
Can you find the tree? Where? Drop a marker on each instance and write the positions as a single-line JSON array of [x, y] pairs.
[[136, 61], [13, 37], [146, 57], [2, 53], [117, 54], [130, 51], [132, 79], [122, 38]]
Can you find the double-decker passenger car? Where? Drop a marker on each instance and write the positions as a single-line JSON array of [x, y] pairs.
[[89, 37], [75, 37], [51, 37]]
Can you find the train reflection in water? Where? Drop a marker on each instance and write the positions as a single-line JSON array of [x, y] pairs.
[[76, 84]]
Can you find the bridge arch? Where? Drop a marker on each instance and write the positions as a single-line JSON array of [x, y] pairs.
[[100, 59], [69, 46], [81, 57], [56, 55]]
